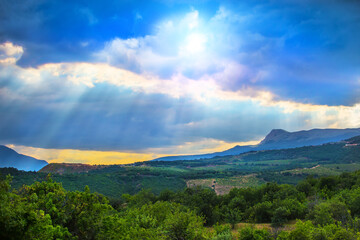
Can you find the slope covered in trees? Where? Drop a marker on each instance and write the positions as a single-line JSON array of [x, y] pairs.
[[281, 166], [328, 208]]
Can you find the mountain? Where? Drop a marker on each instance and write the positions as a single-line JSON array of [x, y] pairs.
[[232, 151], [280, 139], [10, 158]]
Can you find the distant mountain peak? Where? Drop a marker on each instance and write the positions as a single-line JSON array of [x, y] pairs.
[[274, 135], [10, 158], [7, 150], [281, 139], [277, 132]]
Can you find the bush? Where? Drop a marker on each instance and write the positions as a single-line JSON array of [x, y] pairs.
[[250, 233], [280, 217]]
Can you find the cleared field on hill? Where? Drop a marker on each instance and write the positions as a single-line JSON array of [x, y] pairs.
[[325, 170], [224, 185]]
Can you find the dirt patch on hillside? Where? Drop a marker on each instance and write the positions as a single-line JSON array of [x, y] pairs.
[[223, 185]]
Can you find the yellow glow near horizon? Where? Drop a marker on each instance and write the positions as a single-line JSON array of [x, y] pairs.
[[113, 157], [83, 156]]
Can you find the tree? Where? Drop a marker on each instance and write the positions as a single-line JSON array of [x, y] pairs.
[[280, 217], [302, 231], [21, 218], [250, 233], [261, 212]]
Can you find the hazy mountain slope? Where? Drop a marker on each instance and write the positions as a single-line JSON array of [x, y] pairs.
[[10, 158], [232, 151], [280, 139]]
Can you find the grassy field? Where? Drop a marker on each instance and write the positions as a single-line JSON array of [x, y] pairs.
[[224, 185]]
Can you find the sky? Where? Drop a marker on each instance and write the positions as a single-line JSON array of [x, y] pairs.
[[111, 82]]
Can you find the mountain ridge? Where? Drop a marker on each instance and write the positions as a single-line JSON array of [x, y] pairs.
[[278, 139], [10, 158]]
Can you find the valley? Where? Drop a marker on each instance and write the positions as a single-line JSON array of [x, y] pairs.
[[283, 166]]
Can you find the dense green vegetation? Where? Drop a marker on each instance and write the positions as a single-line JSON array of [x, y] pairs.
[[329, 208], [288, 166], [112, 181], [311, 186]]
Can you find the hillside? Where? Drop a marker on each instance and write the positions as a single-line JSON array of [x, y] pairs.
[[10, 158], [279, 139], [220, 173], [323, 208], [257, 197], [354, 140], [64, 168]]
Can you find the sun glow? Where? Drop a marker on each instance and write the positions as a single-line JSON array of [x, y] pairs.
[[194, 43]]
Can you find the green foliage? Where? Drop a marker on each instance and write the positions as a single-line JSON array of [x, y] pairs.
[[261, 212], [232, 216], [306, 230], [222, 232], [223, 236], [45, 210], [203, 201], [280, 217], [141, 198], [302, 231], [161, 220], [250, 233], [20, 219], [330, 212], [283, 235], [221, 228], [183, 225]]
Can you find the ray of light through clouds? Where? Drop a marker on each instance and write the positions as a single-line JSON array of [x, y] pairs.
[[130, 82]]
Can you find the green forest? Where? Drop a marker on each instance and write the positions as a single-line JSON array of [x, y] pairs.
[[301, 193], [315, 208], [286, 166]]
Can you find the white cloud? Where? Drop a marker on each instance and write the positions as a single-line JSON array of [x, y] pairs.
[[183, 47], [192, 48], [183, 59], [191, 20], [178, 85], [73, 78], [10, 53]]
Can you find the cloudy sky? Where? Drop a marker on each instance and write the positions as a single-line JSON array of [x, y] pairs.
[[123, 81]]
